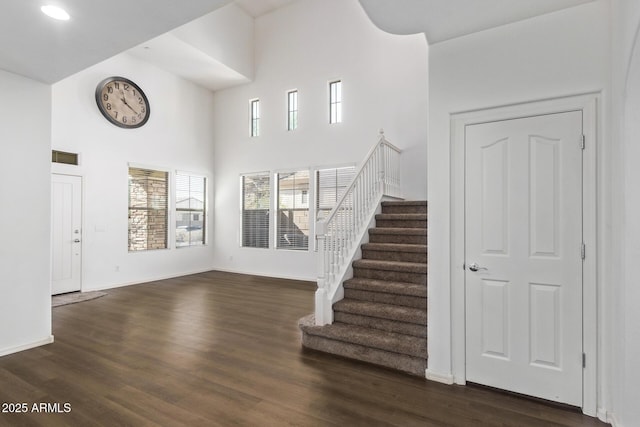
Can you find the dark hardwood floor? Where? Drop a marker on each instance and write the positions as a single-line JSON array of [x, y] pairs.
[[220, 349]]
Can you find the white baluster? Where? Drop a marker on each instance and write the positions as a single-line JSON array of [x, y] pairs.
[[338, 235]]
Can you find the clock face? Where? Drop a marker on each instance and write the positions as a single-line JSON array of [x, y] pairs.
[[122, 102]]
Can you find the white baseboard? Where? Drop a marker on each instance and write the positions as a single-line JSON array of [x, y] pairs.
[[279, 276], [610, 418], [145, 280], [28, 346], [438, 377]]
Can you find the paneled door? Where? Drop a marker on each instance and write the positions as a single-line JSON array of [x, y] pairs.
[[66, 236], [524, 255]]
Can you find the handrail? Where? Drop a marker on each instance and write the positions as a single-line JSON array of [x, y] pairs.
[[341, 231], [349, 189]]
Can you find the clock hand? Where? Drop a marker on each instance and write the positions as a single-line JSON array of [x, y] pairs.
[[131, 108], [127, 104]]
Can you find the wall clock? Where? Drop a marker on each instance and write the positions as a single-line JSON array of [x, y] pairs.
[[122, 102]]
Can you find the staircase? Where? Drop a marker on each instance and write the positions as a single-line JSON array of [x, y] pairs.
[[383, 316]]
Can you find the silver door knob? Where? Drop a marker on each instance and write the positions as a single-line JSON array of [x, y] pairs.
[[76, 241], [476, 267]]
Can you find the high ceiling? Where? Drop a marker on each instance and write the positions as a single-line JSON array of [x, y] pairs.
[[442, 20], [258, 8], [37, 47], [33, 45]]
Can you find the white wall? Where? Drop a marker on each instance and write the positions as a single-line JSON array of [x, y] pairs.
[[303, 46], [558, 54], [178, 136], [626, 201], [25, 288], [226, 35]]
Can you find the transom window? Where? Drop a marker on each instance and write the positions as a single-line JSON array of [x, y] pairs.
[[255, 117], [335, 101], [292, 107]]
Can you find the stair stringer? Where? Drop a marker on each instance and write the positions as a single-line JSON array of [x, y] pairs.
[[388, 331]]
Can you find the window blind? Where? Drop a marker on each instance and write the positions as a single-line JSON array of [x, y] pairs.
[[330, 185], [256, 199]]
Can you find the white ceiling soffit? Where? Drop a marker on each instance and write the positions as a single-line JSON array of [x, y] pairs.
[[183, 59], [258, 8], [35, 46], [442, 20]]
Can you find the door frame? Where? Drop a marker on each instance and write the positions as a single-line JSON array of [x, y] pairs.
[[59, 169], [589, 105]]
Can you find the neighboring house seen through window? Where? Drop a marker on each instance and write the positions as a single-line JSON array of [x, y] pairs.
[[191, 205], [292, 221]]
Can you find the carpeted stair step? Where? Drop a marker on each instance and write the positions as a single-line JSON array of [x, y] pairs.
[[324, 339], [376, 311], [412, 236], [412, 329], [399, 288], [395, 271], [396, 293], [405, 220], [404, 207], [395, 252], [374, 338]]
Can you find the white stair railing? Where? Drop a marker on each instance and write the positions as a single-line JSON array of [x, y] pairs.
[[342, 231]]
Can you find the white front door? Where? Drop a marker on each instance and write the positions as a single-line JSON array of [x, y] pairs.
[[523, 255], [66, 242]]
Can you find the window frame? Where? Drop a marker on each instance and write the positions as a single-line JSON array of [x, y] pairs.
[[269, 188], [168, 201], [204, 211], [254, 117], [292, 109], [277, 209], [317, 193], [335, 101]]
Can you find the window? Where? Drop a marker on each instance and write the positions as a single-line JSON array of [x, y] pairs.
[[191, 205], [256, 199], [255, 117], [335, 102], [330, 185], [292, 108], [293, 210], [148, 196]]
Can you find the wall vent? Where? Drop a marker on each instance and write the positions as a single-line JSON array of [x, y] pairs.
[[63, 157]]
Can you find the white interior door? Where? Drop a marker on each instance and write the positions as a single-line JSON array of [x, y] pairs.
[[66, 242], [523, 255]]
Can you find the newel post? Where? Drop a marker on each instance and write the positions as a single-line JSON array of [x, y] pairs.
[[323, 308]]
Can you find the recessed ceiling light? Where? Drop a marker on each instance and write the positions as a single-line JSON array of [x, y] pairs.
[[55, 12]]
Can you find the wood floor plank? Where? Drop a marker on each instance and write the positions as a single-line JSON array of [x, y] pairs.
[[222, 349]]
